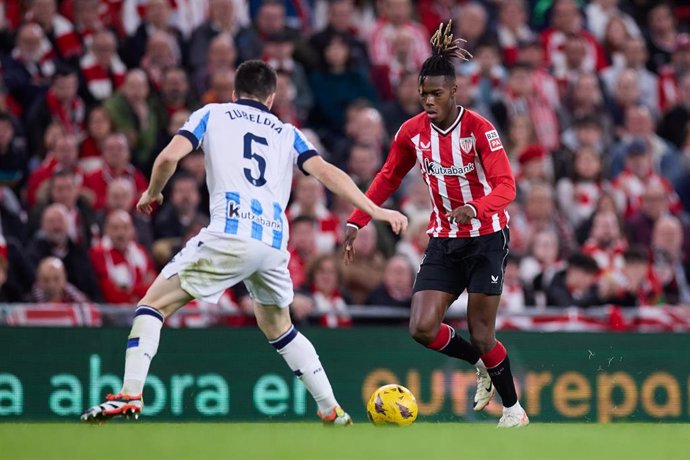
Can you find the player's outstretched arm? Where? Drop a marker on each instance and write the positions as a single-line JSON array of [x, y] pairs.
[[340, 183], [163, 169]]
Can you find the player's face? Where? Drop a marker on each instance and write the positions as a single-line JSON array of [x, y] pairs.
[[437, 96]]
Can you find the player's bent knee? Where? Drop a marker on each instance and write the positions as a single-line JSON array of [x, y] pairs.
[[423, 333]]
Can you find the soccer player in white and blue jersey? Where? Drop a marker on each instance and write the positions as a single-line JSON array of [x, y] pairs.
[[249, 157]]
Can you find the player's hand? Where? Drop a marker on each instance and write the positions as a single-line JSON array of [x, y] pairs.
[[349, 244], [146, 202], [462, 215], [396, 220]]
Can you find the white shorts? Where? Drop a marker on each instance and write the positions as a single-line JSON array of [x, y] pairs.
[[210, 263]]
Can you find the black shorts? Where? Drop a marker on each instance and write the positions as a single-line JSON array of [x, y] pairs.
[[455, 264]]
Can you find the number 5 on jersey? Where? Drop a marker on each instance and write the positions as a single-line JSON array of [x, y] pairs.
[[260, 161]]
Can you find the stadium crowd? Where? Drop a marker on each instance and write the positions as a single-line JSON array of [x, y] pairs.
[[592, 100]]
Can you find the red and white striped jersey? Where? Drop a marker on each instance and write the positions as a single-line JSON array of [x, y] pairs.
[[464, 164]]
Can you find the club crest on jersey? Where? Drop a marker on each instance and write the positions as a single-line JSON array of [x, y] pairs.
[[435, 169], [466, 144], [494, 140]]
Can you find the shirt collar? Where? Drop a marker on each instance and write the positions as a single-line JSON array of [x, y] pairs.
[[252, 103]]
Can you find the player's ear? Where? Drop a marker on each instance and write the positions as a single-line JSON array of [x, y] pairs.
[[234, 96]]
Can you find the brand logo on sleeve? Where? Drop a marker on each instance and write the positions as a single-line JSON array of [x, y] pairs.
[[494, 141]]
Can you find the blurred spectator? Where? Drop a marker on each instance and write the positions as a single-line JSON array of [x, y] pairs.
[[324, 281], [336, 85], [626, 95], [27, 71], [134, 115], [180, 212], [13, 160], [101, 68], [585, 133], [222, 86], [221, 20], [285, 102], [639, 131], [487, 75], [471, 23], [363, 163], [575, 286], [53, 240], [584, 99], [661, 35], [64, 155], [364, 125], [675, 125], [512, 29], [599, 14], [386, 77], [98, 127], [271, 19], [520, 134], [115, 164], [87, 21], [57, 28], [523, 99], [302, 248], [404, 106], [614, 40], [516, 295], [415, 239], [222, 56], [415, 202], [63, 188], [193, 164], [633, 283], [174, 123], [635, 57], [120, 196], [341, 20], [310, 200], [397, 14], [566, 20], [19, 271], [174, 95], [396, 288], [653, 205], [61, 104], [278, 53], [639, 171], [542, 262], [579, 193], [124, 268], [669, 260], [540, 213], [366, 270], [671, 74], [535, 168], [574, 64], [161, 54], [156, 23], [606, 243], [51, 284]]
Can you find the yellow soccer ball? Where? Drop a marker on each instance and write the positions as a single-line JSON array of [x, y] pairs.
[[392, 405]]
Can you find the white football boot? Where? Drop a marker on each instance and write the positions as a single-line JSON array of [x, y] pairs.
[[337, 417], [513, 417], [485, 389], [126, 406]]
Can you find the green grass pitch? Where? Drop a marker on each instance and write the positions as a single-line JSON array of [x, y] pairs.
[[307, 441]]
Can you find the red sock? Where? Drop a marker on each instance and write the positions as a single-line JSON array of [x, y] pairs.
[[442, 338], [494, 357]]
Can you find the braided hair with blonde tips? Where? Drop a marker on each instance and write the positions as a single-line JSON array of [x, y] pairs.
[[444, 50]]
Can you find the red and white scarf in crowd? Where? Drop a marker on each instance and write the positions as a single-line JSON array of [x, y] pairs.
[[102, 81], [71, 118], [127, 268]]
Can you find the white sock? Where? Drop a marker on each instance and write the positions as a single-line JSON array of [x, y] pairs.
[[142, 345], [302, 359], [514, 408]]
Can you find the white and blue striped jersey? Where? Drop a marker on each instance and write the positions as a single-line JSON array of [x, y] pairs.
[[249, 156]]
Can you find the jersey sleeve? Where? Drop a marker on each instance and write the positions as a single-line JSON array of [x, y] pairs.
[[401, 158], [194, 129], [302, 149], [497, 169]]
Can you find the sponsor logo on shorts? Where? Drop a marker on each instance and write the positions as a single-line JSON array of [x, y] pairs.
[[494, 279]]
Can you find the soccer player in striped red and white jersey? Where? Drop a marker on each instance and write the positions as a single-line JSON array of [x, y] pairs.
[[470, 183]]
